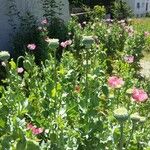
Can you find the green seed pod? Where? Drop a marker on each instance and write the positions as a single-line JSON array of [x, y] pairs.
[[53, 43], [121, 114], [135, 117], [142, 119], [87, 41], [4, 55]]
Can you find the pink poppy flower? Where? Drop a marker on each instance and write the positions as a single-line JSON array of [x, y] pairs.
[[44, 22], [139, 95], [115, 82], [66, 43], [34, 130], [37, 131], [20, 70], [129, 59], [31, 46]]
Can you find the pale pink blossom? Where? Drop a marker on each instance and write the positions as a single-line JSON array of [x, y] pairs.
[[129, 59], [66, 43], [20, 70], [44, 22], [115, 82], [63, 44], [139, 95], [146, 33], [31, 46]]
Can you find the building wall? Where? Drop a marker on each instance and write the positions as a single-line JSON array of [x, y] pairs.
[[141, 11], [34, 6], [139, 7]]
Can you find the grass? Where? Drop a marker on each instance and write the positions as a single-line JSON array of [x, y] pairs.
[[141, 24]]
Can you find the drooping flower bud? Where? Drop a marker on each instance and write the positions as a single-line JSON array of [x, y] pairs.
[[27, 64], [121, 114], [4, 55]]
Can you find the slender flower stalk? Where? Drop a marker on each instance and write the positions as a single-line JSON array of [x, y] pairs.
[[86, 77], [121, 114], [121, 136], [131, 135], [55, 78], [135, 118], [53, 45], [87, 41]]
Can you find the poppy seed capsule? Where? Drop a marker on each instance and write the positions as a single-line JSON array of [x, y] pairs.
[[142, 119], [121, 114], [135, 117], [4, 55], [87, 41], [53, 43]]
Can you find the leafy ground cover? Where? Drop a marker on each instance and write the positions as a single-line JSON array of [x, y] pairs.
[[91, 98]]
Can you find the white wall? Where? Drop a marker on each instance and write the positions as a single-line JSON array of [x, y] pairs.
[[142, 10], [33, 6]]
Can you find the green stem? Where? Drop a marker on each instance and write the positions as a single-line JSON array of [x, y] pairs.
[[116, 93], [20, 57], [55, 80], [131, 134], [121, 137], [86, 77]]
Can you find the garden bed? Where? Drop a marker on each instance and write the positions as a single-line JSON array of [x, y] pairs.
[[92, 97]]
